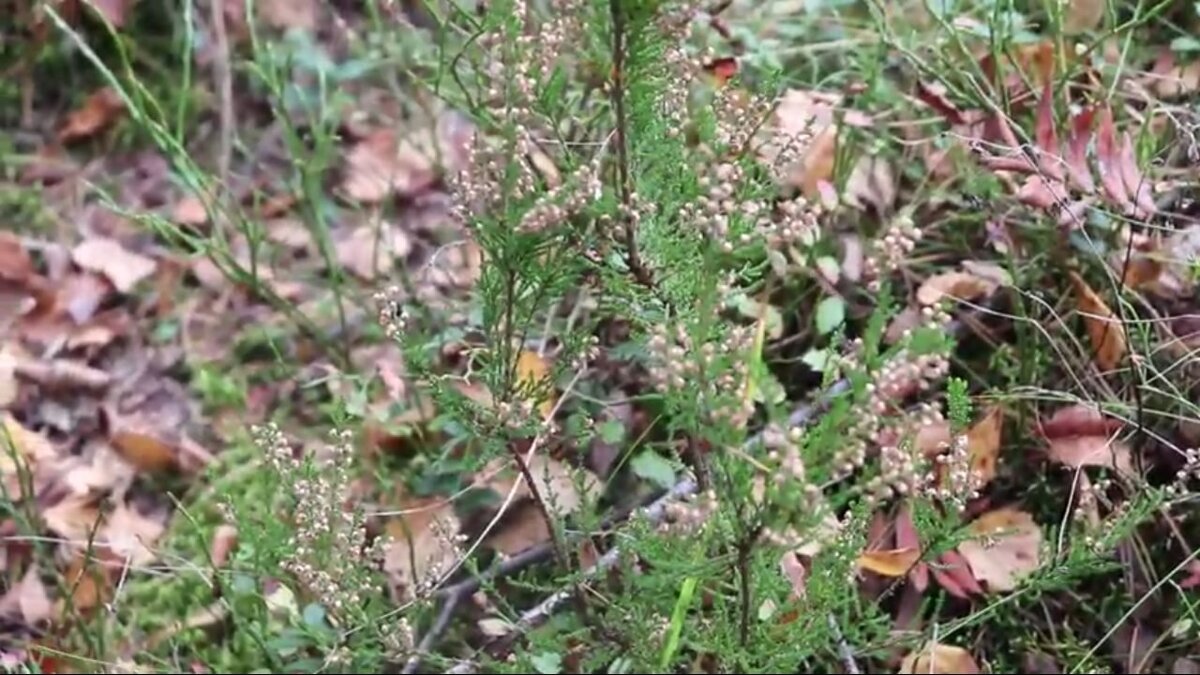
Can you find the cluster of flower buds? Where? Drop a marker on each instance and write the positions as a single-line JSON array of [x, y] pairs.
[[559, 203], [392, 317], [689, 515], [888, 252], [713, 374], [449, 539]]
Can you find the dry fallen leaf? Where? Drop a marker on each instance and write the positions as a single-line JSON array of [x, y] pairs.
[[809, 113], [129, 534], [523, 528], [99, 111], [938, 659], [371, 250], [223, 542], [1079, 436], [88, 584], [794, 571], [119, 265], [1104, 329], [1006, 549], [1083, 15], [872, 182], [381, 165], [983, 445], [285, 14], [892, 563], [954, 285], [554, 480], [30, 446], [189, 211], [422, 545], [28, 601], [531, 370], [16, 265]]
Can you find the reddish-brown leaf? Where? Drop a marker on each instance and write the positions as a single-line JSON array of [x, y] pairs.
[[1135, 184], [1046, 135], [1079, 420], [1078, 170], [1040, 193], [15, 263], [907, 537], [99, 111], [983, 445], [722, 69], [794, 571], [933, 94], [1104, 328], [1108, 158], [954, 574]]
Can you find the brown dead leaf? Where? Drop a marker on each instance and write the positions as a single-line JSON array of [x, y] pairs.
[[555, 482], [290, 232], [892, 563], [1175, 80], [1105, 331], [28, 601], [119, 265], [381, 165], [15, 263], [129, 534], [16, 441], [422, 544], [938, 659], [189, 211], [954, 285], [223, 542], [872, 182], [1007, 548], [88, 585], [371, 250], [9, 387], [794, 571], [98, 112], [147, 424], [983, 445], [801, 112], [907, 537], [289, 14], [525, 527]]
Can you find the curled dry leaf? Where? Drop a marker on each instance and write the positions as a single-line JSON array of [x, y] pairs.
[[1105, 331], [523, 528], [983, 445], [954, 285], [938, 659], [16, 265], [130, 534], [1079, 436], [372, 250], [100, 110], [421, 546], [1006, 548], [892, 563], [119, 265]]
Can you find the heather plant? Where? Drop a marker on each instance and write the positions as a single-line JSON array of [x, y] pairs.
[[632, 211]]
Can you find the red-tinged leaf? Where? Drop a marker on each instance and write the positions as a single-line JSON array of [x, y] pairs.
[[99, 111], [1079, 420], [1193, 577], [879, 535], [906, 537], [1040, 193], [1135, 182], [1046, 134], [1077, 145], [1019, 164], [1108, 157], [933, 94], [1071, 215], [722, 69], [952, 570]]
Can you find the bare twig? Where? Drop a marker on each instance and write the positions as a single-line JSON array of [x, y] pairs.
[[223, 79], [435, 631], [844, 650]]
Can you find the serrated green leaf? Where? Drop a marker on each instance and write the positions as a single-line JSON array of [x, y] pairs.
[[654, 467], [831, 313]]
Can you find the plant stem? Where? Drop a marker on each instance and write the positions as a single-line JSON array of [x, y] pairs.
[[628, 224]]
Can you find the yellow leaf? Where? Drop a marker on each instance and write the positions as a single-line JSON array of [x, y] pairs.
[[983, 445], [531, 370], [894, 563], [1104, 330], [938, 659]]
